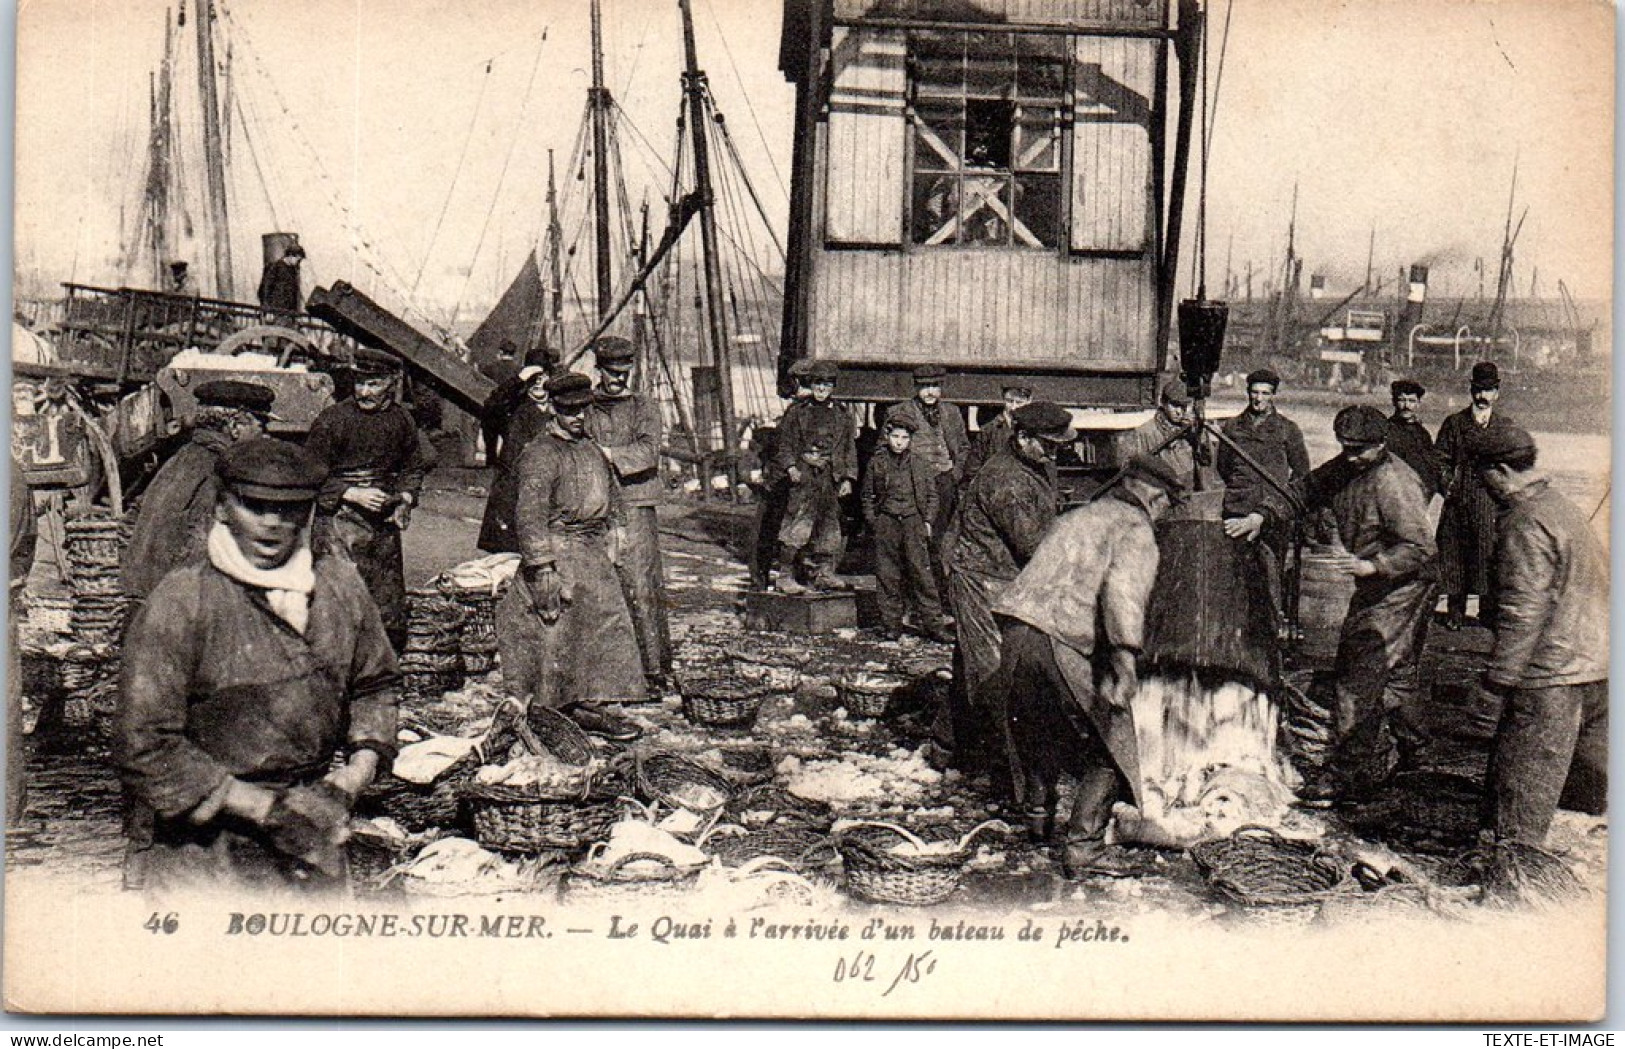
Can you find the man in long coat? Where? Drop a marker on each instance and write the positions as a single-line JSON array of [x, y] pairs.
[[1002, 517], [1467, 522], [626, 426], [1382, 524], [1550, 661], [527, 417], [939, 438], [1074, 625], [279, 284], [243, 675], [177, 511], [564, 633], [376, 461], [773, 488]]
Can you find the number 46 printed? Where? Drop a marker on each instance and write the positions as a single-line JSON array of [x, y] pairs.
[[166, 924]]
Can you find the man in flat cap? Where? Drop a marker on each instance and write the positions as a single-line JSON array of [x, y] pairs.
[[1550, 661], [376, 461], [626, 426], [1467, 521], [564, 632], [995, 435], [1254, 510], [1073, 628], [899, 497], [1410, 440], [525, 417], [1004, 514], [820, 416], [1386, 544], [773, 488], [177, 511], [940, 439], [244, 674], [1173, 417]]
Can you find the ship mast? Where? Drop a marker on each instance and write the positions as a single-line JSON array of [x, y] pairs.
[[599, 106], [694, 90], [555, 234], [213, 153]]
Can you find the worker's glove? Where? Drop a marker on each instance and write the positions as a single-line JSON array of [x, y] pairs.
[[1247, 528], [1123, 681], [794, 473], [310, 824], [845, 489], [355, 775], [546, 591]]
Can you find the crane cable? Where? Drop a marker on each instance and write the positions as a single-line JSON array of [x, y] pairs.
[[451, 189]]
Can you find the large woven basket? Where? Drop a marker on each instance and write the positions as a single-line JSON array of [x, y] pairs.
[[681, 783], [1256, 867], [719, 703], [868, 696], [770, 805], [799, 848], [637, 873], [874, 871], [421, 806], [510, 819]]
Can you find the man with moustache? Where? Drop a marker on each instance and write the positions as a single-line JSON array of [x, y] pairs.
[[564, 633], [939, 439], [376, 461], [992, 438], [626, 426], [1467, 522], [1410, 440], [243, 675]]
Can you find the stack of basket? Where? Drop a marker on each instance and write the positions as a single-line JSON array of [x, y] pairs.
[[478, 639], [94, 547], [432, 663], [535, 818]]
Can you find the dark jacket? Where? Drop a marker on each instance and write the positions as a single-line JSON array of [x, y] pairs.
[[177, 511], [939, 435], [497, 534], [279, 288], [383, 449], [215, 684], [901, 485], [1551, 623], [1276, 444], [1002, 517], [1467, 522], [566, 491], [804, 420], [989, 441], [1412, 443]]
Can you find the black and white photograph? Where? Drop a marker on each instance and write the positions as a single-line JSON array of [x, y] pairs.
[[953, 510]]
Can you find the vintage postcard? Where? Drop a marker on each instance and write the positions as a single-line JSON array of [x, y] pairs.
[[874, 509]]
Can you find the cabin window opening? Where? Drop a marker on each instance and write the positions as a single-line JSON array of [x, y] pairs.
[[986, 112]]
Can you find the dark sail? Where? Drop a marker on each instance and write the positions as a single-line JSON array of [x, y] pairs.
[[518, 317]]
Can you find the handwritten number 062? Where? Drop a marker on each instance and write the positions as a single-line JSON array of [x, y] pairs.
[[166, 924]]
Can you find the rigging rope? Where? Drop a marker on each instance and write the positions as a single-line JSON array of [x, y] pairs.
[[462, 157], [766, 150]]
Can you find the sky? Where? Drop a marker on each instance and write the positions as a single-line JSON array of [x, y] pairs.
[[407, 140]]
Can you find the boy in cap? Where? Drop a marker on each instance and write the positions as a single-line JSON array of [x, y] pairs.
[[177, 511], [626, 426], [1550, 661], [1467, 521], [564, 632], [279, 284], [899, 498], [1386, 544], [1005, 512], [993, 437], [810, 536], [1410, 440], [527, 416], [819, 417], [376, 461], [939, 439], [243, 675]]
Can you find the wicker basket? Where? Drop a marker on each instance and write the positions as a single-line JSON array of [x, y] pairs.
[[876, 873], [557, 735], [799, 848], [373, 856], [723, 704], [592, 879], [682, 784], [513, 820], [1256, 867], [869, 696], [782, 807]]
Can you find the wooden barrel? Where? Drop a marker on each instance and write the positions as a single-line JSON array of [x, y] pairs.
[[1323, 603]]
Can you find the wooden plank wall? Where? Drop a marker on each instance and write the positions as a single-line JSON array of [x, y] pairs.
[[867, 136], [1112, 195], [1124, 13], [985, 308]]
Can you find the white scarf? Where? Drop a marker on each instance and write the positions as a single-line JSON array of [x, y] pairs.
[[287, 589]]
